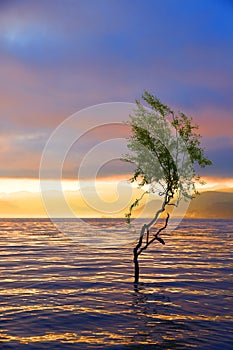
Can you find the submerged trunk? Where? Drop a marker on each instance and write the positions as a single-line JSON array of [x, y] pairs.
[[136, 253], [140, 247], [136, 266]]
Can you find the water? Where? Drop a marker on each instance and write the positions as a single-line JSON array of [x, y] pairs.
[[58, 294]]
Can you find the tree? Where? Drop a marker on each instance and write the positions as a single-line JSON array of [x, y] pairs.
[[165, 147]]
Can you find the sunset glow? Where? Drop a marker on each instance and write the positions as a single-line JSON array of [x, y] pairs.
[[116, 174], [22, 197], [52, 66]]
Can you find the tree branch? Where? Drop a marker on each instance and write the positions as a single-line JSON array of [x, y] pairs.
[[156, 237]]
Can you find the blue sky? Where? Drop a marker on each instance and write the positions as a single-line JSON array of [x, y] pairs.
[[57, 57]]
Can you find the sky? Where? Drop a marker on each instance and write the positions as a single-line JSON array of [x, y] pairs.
[[59, 57]]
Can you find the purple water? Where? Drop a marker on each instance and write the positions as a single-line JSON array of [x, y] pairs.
[[58, 294]]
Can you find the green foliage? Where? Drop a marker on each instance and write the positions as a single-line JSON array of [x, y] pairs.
[[166, 149]]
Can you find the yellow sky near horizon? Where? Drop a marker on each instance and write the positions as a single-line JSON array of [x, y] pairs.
[[22, 197], [13, 185]]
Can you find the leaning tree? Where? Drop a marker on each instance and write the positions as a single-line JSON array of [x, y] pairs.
[[165, 147]]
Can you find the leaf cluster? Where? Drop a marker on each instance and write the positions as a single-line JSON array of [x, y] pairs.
[[165, 147]]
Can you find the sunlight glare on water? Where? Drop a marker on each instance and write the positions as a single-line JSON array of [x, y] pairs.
[[58, 294]]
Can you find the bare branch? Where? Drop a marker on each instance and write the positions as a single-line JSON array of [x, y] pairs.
[[156, 237]]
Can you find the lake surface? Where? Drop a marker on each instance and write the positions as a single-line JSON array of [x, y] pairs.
[[58, 293]]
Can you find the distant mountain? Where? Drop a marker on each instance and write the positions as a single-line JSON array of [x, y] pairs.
[[228, 189], [212, 204]]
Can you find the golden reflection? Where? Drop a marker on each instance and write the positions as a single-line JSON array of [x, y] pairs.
[[58, 308], [104, 337], [94, 338], [53, 280], [192, 318]]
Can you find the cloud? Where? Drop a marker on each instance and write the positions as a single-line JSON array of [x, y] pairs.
[[56, 59]]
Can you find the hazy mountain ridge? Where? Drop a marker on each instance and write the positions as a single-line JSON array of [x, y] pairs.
[[209, 204], [212, 204]]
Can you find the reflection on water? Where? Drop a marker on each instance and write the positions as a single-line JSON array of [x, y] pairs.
[[58, 294]]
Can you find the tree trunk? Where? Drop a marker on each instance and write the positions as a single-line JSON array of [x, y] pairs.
[[136, 266]]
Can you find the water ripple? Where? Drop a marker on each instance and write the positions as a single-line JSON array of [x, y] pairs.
[[57, 294]]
